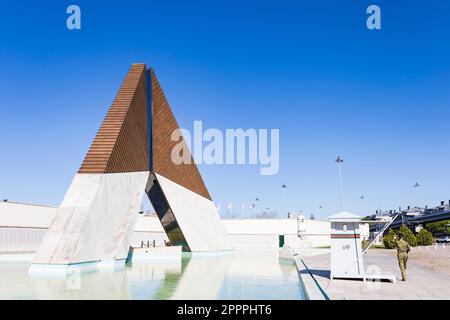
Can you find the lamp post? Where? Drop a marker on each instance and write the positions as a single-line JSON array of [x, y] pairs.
[[339, 162], [417, 186], [362, 197], [284, 186], [255, 204]]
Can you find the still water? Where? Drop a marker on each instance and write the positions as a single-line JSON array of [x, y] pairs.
[[255, 274]]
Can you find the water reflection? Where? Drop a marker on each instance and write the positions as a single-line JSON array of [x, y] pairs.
[[245, 274]]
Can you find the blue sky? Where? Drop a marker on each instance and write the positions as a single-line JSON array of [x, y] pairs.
[[380, 99]]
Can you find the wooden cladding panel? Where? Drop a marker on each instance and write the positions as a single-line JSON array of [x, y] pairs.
[[163, 125], [121, 142]]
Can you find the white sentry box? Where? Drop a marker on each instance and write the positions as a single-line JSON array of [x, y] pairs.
[[346, 253]]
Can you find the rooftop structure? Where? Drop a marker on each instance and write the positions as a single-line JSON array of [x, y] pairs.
[[413, 216]]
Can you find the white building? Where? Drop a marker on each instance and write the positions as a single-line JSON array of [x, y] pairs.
[[364, 231], [23, 226]]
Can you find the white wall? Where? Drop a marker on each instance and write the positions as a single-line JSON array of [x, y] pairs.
[[243, 233], [144, 238], [254, 240], [20, 239], [260, 226], [25, 215], [23, 226], [265, 232], [364, 231]]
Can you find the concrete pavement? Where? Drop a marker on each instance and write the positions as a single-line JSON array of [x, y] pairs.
[[428, 276]]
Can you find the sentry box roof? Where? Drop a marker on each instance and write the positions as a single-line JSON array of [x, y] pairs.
[[344, 217]]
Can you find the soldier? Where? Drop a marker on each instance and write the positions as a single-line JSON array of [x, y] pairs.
[[403, 249]]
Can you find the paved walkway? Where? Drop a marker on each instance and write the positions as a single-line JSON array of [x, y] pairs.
[[428, 276]]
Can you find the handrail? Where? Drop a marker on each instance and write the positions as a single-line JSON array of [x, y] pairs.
[[381, 232], [374, 239]]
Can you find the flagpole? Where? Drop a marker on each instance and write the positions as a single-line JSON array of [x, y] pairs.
[[339, 162]]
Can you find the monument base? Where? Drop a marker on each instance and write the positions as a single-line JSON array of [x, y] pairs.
[[95, 220], [61, 270]]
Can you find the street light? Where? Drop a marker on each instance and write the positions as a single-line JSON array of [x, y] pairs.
[[417, 186], [339, 161], [284, 186]]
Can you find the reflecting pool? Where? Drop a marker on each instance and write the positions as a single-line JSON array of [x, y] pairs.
[[243, 274]]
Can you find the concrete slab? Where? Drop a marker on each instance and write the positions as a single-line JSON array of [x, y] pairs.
[[428, 276], [196, 216], [95, 220], [156, 253]]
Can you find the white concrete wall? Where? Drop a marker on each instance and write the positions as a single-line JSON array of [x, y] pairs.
[[364, 231], [266, 232], [23, 226], [150, 238], [246, 233], [14, 239], [148, 224], [318, 232], [242, 233], [261, 226], [25, 215], [254, 240]]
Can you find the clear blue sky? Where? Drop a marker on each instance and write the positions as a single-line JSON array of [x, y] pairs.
[[380, 99]]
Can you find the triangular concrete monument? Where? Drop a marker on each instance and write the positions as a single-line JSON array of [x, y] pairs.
[[130, 155]]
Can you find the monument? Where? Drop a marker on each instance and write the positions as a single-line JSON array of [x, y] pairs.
[[130, 156]]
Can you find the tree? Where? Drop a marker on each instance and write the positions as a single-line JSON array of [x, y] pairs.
[[437, 227], [388, 239], [408, 236], [424, 238], [266, 215]]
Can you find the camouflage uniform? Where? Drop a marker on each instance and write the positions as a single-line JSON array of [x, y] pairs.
[[402, 254]]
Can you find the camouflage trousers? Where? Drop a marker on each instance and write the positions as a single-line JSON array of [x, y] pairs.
[[402, 262]]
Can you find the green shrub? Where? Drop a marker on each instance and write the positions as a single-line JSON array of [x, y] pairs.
[[424, 238], [438, 227], [388, 239], [408, 236]]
